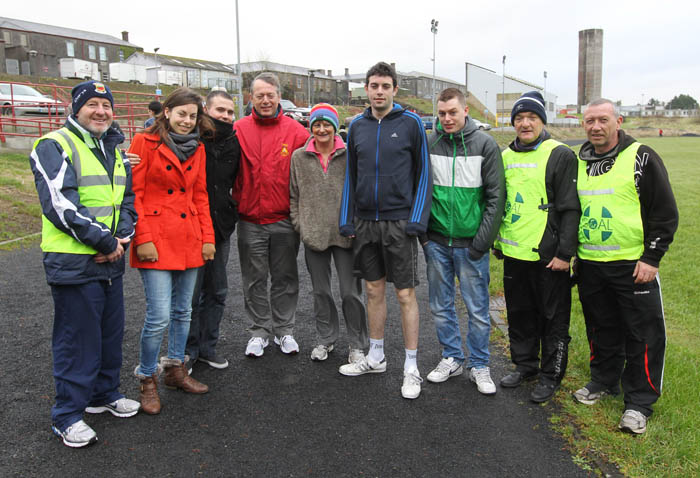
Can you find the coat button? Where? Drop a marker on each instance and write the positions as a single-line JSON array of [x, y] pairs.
[[189, 167], [155, 212], [168, 167], [182, 190], [170, 191], [183, 215]]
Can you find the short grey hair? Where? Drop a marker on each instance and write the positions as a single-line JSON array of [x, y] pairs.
[[605, 101], [269, 78]]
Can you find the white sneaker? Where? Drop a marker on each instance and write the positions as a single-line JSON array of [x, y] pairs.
[[77, 435], [482, 378], [320, 352], [256, 347], [447, 368], [633, 421], [355, 355], [287, 344], [124, 407], [411, 384], [365, 365]]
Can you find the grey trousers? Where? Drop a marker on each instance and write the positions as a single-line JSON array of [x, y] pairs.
[[327, 324], [269, 250]]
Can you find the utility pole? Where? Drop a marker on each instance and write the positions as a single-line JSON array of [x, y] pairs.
[[503, 90], [238, 67], [155, 51], [546, 111], [433, 28]]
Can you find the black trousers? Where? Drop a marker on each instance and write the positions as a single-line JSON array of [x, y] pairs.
[[626, 331], [538, 301]]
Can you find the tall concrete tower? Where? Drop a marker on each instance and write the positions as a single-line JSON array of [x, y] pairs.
[[590, 65]]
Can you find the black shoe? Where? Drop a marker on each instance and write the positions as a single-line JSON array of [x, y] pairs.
[[514, 379], [543, 391], [214, 361], [189, 363]]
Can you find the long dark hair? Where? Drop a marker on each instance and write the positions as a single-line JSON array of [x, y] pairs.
[[179, 97]]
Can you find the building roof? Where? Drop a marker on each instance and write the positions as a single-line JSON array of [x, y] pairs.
[[418, 74], [23, 25], [281, 68], [190, 62]]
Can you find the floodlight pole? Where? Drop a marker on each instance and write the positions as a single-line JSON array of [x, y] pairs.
[[433, 29], [238, 67], [503, 91]]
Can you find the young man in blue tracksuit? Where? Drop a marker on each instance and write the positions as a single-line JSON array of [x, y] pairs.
[[385, 205]]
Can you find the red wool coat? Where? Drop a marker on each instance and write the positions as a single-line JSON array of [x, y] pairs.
[[172, 204]]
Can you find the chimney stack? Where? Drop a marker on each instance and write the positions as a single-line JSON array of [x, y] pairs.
[[330, 72], [347, 71], [125, 36]]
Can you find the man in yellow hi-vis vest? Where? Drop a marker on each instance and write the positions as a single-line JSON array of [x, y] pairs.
[[84, 186], [537, 240], [628, 219]]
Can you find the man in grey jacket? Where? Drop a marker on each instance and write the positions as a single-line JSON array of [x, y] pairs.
[[466, 212]]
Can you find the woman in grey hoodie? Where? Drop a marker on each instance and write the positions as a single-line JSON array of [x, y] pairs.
[[316, 176]]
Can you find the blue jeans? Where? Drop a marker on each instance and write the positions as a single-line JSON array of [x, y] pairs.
[[168, 302], [444, 263]]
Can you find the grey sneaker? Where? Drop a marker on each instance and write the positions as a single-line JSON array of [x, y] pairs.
[[411, 384], [256, 347], [287, 344], [591, 393], [362, 367], [320, 352], [214, 361], [447, 368], [123, 408], [77, 435], [633, 421], [482, 378], [355, 355]]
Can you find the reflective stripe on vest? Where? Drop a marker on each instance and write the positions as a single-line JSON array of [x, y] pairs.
[[525, 219], [611, 222], [98, 194]]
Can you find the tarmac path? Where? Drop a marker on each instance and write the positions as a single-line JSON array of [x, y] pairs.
[[273, 416]]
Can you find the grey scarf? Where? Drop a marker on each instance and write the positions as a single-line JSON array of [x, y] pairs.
[[183, 145]]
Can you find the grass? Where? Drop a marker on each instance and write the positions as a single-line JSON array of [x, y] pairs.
[[20, 212], [671, 445]]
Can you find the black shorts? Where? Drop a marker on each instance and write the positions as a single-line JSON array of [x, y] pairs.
[[383, 249]]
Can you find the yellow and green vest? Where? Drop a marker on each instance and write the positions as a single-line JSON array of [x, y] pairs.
[[526, 201], [611, 222], [101, 196]]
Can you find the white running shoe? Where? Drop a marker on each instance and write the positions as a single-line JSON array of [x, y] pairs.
[[123, 408], [355, 355], [447, 368], [256, 347], [362, 367], [320, 352], [482, 378], [287, 344], [633, 421], [411, 384], [77, 435]]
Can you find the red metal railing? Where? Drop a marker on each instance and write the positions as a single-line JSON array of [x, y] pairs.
[[130, 111]]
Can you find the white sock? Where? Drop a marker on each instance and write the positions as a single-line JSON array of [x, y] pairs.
[[376, 350], [410, 364]]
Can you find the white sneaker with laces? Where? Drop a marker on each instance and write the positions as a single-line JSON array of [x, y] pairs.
[[365, 365], [287, 344], [447, 368], [320, 352], [77, 435], [123, 408], [633, 421], [482, 378], [411, 384], [355, 355], [256, 346]]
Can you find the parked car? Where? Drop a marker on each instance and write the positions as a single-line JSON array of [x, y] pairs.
[[27, 100], [482, 126], [296, 112], [427, 122]]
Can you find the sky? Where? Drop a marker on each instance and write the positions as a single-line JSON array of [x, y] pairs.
[[650, 49]]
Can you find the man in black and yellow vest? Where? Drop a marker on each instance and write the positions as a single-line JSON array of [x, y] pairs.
[[628, 220], [84, 186], [537, 240]]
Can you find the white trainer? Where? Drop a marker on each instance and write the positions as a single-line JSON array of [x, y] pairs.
[[123, 408], [287, 344], [365, 365], [256, 346], [411, 384], [447, 368], [633, 421], [320, 352], [355, 355], [482, 378], [77, 435]]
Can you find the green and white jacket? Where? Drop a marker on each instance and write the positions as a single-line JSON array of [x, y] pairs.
[[468, 188]]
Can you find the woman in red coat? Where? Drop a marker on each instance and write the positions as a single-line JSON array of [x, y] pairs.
[[174, 236]]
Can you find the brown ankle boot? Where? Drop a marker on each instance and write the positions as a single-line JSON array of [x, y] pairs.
[[150, 402], [176, 377]]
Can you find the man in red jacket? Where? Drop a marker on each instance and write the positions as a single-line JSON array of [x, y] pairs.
[[267, 242]]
